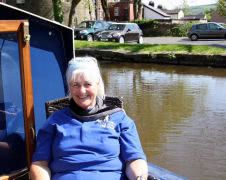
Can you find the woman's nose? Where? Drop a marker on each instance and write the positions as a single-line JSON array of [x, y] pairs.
[[82, 89]]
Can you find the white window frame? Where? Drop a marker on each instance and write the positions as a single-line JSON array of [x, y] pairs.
[[116, 11]]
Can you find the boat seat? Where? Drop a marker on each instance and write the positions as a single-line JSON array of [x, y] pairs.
[[58, 104]]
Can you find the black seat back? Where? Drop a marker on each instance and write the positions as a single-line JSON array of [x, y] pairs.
[[58, 104]]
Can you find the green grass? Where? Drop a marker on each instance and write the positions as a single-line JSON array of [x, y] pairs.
[[150, 48]]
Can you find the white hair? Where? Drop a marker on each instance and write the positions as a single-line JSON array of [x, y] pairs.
[[85, 67]]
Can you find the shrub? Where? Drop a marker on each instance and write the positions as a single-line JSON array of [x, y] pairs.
[[181, 29], [164, 28]]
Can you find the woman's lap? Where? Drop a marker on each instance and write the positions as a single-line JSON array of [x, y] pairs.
[[89, 175]]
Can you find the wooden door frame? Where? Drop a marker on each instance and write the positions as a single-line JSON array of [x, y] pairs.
[[21, 27]]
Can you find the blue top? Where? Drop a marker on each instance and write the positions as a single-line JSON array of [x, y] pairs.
[[93, 149]]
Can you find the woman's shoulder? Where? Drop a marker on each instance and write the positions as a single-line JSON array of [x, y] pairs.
[[59, 115], [120, 116]]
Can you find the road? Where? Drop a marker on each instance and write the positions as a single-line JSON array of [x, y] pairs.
[[184, 40]]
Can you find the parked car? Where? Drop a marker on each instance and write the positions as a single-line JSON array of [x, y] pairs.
[[207, 30], [223, 24], [121, 32], [86, 29]]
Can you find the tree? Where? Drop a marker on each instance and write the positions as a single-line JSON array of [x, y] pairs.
[[95, 8], [90, 5], [74, 3], [185, 7], [57, 11], [221, 7], [106, 9], [137, 7], [140, 11], [208, 13], [38, 8]]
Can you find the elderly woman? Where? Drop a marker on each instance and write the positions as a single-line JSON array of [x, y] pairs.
[[88, 139]]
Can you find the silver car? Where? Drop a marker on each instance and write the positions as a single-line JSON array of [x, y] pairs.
[[207, 31]]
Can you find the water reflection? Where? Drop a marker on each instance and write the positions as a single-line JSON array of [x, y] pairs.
[[180, 114]]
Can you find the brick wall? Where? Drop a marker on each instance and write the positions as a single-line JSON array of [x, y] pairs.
[[217, 18], [121, 11]]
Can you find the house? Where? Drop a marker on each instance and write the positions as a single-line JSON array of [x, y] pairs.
[[121, 11], [200, 18], [216, 17], [174, 14], [194, 18], [149, 12]]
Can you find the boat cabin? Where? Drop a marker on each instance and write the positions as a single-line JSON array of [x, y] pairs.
[[34, 52]]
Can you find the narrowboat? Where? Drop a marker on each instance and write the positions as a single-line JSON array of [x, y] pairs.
[[34, 53]]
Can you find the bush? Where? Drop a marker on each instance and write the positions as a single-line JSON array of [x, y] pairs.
[[163, 28], [181, 30]]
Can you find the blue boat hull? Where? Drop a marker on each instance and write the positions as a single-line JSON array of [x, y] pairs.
[[158, 173]]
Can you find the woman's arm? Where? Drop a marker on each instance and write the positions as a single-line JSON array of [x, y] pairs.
[[131, 150], [40, 171], [137, 170]]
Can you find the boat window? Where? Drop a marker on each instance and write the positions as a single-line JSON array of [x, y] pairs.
[[12, 135]]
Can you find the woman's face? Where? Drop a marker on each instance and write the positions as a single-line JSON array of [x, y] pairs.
[[84, 91]]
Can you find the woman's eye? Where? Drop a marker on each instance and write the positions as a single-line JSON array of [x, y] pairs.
[[74, 85], [88, 84]]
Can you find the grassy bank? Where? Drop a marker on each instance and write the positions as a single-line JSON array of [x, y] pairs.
[[151, 48]]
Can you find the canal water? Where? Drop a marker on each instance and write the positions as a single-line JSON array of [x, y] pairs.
[[180, 114]]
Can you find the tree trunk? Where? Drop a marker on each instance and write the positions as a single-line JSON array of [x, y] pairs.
[[46, 10], [135, 9], [106, 9], [140, 10], [90, 11], [95, 6], [74, 3], [42, 8]]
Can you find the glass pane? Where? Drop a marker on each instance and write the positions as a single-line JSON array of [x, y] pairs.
[[12, 135]]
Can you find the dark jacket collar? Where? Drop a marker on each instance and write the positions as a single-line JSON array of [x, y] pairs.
[[99, 111]]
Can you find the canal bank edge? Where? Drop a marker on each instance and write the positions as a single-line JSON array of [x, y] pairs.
[[158, 58]]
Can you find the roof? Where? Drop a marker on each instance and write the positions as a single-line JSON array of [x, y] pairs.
[[174, 11], [158, 11], [194, 17]]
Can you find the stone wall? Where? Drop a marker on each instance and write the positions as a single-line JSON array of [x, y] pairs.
[[42, 8], [159, 58]]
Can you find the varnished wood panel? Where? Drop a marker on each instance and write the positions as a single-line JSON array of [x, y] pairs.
[[10, 25], [18, 26], [27, 90]]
